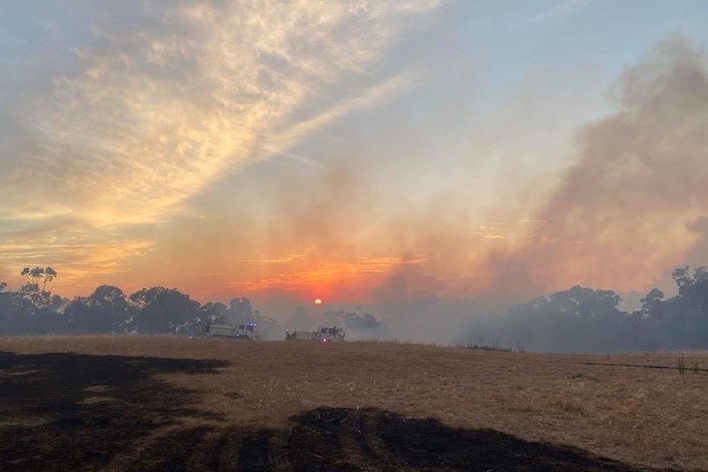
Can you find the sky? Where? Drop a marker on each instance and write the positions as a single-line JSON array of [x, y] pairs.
[[355, 151]]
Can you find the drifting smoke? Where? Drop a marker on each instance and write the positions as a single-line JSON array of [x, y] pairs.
[[636, 199], [633, 206]]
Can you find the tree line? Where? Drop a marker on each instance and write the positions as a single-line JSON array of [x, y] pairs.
[[579, 319], [33, 309], [582, 319]]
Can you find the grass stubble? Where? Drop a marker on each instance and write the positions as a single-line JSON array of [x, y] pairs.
[[646, 410]]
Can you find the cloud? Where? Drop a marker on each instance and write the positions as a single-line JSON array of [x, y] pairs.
[[83, 257], [558, 9], [374, 96], [159, 100], [162, 109]]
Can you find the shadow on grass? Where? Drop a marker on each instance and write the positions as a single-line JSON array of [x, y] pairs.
[[370, 439], [340, 439], [78, 412]]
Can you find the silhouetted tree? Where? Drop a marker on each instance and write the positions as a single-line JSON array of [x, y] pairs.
[[686, 314], [106, 310], [214, 313], [35, 289], [163, 310], [6, 311], [39, 275], [579, 319], [651, 304], [33, 308], [240, 311]]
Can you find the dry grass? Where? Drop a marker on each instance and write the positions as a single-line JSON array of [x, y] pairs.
[[636, 409]]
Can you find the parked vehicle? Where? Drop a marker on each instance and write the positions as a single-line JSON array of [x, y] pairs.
[[300, 335], [247, 332], [326, 334], [323, 334]]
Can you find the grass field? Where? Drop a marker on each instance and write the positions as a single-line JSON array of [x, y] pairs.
[[169, 403]]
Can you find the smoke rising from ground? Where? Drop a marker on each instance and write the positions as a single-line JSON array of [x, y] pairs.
[[631, 205]]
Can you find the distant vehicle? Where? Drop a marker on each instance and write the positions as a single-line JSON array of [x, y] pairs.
[[323, 334], [326, 334], [247, 332], [300, 335]]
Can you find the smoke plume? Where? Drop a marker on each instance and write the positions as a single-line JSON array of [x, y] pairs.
[[631, 206]]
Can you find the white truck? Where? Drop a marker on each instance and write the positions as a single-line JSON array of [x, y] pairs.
[[323, 334], [246, 331]]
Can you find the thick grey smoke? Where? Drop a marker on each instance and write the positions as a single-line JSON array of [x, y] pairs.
[[630, 206]]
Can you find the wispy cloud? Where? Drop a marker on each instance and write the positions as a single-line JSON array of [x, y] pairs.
[[558, 9], [562, 7], [165, 100], [376, 95]]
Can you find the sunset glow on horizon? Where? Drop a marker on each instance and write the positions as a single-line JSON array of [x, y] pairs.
[[353, 151]]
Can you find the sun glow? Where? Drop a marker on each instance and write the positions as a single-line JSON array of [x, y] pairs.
[[318, 301]]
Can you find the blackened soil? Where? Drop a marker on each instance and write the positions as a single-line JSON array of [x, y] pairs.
[[75, 412]]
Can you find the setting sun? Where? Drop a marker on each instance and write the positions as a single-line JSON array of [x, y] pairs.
[[318, 301]]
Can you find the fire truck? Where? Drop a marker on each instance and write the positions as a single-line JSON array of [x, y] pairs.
[[246, 332], [323, 334]]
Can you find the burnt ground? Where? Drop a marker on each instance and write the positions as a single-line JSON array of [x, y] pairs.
[[87, 412]]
